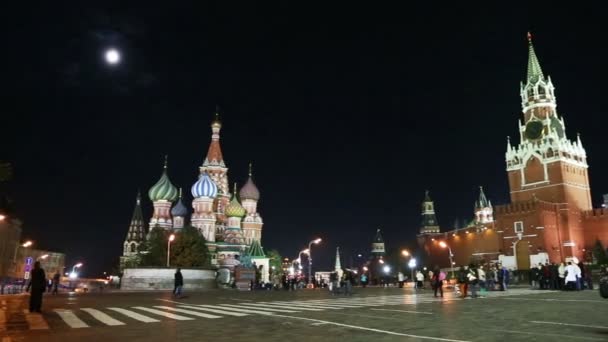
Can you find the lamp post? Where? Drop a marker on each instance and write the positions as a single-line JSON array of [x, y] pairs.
[[442, 244], [73, 274], [171, 238], [315, 241], [412, 265]]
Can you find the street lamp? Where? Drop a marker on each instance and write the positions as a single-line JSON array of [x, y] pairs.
[[412, 265], [442, 244], [43, 257], [2, 217], [405, 253], [171, 238], [73, 274], [387, 269], [316, 241]]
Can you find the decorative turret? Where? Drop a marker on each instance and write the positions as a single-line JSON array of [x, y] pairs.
[[137, 231], [483, 209], [429, 224], [252, 224], [179, 212], [378, 245], [203, 217], [162, 194]]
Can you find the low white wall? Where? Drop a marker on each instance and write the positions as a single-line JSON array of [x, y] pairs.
[[163, 279]]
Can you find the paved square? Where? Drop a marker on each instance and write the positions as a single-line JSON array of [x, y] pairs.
[[377, 314]]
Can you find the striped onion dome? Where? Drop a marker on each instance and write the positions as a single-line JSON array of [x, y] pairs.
[[163, 189], [234, 208], [179, 210], [204, 187], [249, 190]]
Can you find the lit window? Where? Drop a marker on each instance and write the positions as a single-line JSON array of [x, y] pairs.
[[519, 227]]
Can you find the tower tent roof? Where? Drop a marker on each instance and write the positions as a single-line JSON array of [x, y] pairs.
[[482, 202], [136, 228], [535, 73], [214, 153], [255, 250]]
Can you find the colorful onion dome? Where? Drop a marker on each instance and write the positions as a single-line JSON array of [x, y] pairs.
[[204, 187], [249, 190], [234, 208], [163, 190], [179, 210]]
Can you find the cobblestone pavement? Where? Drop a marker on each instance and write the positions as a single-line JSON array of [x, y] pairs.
[[381, 314]]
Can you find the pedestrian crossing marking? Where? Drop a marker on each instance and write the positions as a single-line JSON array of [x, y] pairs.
[[35, 321], [237, 310], [222, 312], [71, 319], [189, 312], [135, 315], [164, 313], [102, 317], [295, 307], [247, 306]]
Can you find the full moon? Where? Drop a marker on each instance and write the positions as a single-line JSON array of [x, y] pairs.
[[112, 56]]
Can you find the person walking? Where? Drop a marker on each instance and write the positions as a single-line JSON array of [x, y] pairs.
[[38, 285], [437, 281], [56, 279], [419, 280], [179, 283], [462, 282]]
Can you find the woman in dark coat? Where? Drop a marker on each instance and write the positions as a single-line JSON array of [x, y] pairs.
[[38, 285]]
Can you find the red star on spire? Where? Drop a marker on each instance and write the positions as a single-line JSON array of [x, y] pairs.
[[529, 36]]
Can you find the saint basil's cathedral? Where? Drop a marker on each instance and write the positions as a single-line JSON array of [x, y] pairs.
[[550, 217], [232, 228]]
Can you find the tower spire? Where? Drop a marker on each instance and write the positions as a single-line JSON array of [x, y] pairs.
[[250, 169], [166, 161], [535, 72]]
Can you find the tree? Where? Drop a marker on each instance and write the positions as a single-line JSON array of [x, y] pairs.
[[600, 253], [153, 252], [189, 249], [276, 261], [6, 171]]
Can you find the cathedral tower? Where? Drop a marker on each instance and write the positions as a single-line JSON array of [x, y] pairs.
[[179, 212], [162, 194], [137, 231], [429, 223], [215, 167], [204, 192], [546, 165], [252, 224]]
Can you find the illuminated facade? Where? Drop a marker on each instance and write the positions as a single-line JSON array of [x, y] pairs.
[[229, 227], [550, 217]]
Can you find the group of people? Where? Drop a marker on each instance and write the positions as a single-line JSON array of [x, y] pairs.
[[571, 276]]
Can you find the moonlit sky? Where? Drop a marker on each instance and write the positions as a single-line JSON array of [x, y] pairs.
[[348, 114]]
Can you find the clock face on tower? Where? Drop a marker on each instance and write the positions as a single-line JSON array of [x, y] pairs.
[[534, 130]]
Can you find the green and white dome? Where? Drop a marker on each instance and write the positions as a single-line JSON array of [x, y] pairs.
[[163, 189]]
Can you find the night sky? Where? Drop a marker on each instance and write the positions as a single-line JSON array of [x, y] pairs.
[[348, 114]]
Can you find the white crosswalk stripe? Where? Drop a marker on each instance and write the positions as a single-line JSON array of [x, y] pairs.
[[217, 311], [103, 317], [279, 306], [189, 312], [164, 313], [247, 306], [134, 315], [257, 312], [71, 319]]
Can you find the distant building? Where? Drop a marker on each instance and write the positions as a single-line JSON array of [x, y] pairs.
[[550, 217], [10, 236], [51, 262]]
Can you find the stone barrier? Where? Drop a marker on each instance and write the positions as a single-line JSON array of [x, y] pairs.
[[163, 279]]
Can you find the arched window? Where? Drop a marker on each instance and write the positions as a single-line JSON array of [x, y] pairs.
[[530, 92], [541, 90], [133, 248]]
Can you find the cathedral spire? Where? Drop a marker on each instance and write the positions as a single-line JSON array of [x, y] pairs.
[[535, 73], [214, 154], [338, 265], [483, 201], [136, 233]]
